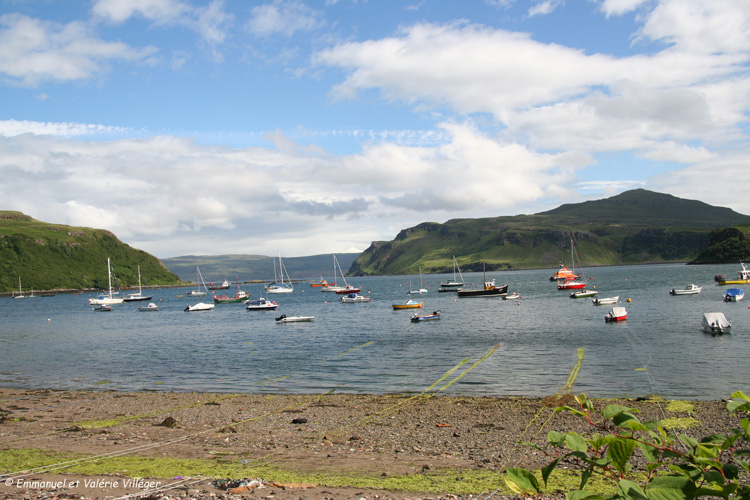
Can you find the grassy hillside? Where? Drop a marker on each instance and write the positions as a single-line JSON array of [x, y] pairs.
[[53, 256], [635, 227]]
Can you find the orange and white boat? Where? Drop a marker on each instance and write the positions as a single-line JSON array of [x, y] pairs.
[[563, 274]]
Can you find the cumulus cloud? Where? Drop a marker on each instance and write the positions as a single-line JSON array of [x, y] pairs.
[[283, 17]]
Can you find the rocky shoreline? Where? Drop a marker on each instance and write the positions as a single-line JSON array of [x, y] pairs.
[[325, 446]]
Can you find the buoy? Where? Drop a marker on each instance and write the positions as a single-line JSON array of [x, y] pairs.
[[48, 319], [629, 300]]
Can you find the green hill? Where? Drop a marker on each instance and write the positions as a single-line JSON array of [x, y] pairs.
[[54, 257], [635, 227]]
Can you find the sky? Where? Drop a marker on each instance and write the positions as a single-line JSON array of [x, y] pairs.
[[290, 127]]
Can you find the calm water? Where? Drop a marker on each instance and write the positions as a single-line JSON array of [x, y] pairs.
[[59, 342]]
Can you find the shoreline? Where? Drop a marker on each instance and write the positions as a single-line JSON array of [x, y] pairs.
[[372, 446]]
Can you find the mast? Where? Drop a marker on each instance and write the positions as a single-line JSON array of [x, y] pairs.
[[109, 278], [139, 280]]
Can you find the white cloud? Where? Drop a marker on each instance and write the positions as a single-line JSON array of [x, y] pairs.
[[620, 7], [544, 8], [283, 17]]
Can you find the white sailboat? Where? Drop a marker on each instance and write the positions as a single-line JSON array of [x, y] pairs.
[[198, 292], [134, 297], [422, 288], [105, 300], [346, 288], [280, 286], [454, 284], [20, 291]]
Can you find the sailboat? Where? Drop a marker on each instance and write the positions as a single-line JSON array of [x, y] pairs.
[[455, 283], [106, 300], [341, 290], [134, 297], [198, 292], [20, 291], [280, 286], [422, 288], [572, 283]]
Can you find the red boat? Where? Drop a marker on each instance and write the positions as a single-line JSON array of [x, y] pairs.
[[616, 314], [348, 289], [570, 285]]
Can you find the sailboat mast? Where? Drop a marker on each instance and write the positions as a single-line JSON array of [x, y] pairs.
[[139, 280], [109, 278]]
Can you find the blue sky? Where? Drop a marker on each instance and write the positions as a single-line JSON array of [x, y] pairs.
[[293, 127]]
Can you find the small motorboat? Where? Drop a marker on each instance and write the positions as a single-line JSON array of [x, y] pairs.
[[426, 317], [616, 314], [716, 323], [200, 306], [294, 319], [583, 294], [150, 307], [409, 304], [102, 308], [734, 294], [606, 300], [354, 297], [512, 296], [690, 289], [261, 305]]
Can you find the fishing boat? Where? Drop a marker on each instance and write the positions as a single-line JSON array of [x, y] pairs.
[[409, 304], [223, 286], [280, 286], [573, 281], [690, 289], [135, 297], [716, 323], [616, 314], [581, 294], [490, 289], [455, 283], [734, 294], [261, 305], [294, 319], [743, 277], [150, 307], [239, 296], [319, 283], [106, 299], [354, 297], [20, 294], [426, 317], [200, 306], [198, 292], [606, 300]]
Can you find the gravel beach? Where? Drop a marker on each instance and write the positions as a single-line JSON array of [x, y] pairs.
[[369, 439]]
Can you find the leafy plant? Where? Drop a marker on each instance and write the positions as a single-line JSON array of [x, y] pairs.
[[669, 467]]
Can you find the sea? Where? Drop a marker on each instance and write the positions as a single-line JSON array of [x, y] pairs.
[[540, 344]]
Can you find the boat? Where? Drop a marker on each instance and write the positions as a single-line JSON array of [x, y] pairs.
[[354, 297], [572, 281], [200, 306], [346, 288], [715, 323], [743, 277], [223, 286], [101, 308], [563, 274], [422, 289], [455, 283], [280, 286], [319, 283], [198, 292], [20, 291], [690, 289], [734, 294], [606, 300], [581, 294], [135, 297], [294, 319], [150, 307], [616, 314], [239, 296], [512, 296], [106, 299], [261, 305], [489, 290], [409, 304], [426, 317]]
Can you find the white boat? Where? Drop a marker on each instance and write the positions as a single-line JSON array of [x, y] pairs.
[[135, 297], [261, 305], [354, 297], [340, 289], [294, 319], [280, 286], [606, 300], [451, 285], [20, 291], [422, 288], [734, 294], [715, 323], [150, 307], [512, 296], [616, 314], [690, 289], [198, 292], [580, 294], [107, 300], [200, 306]]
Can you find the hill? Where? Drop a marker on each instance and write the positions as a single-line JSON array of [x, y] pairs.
[[635, 227], [216, 268], [53, 257]]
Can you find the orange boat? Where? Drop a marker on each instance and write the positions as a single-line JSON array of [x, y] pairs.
[[563, 274], [320, 282]]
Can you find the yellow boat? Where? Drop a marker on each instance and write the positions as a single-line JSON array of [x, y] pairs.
[[409, 304], [743, 277]]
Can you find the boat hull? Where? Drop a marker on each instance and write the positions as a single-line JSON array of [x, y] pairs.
[[408, 306], [294, 319], [496, 291], [426, 317]]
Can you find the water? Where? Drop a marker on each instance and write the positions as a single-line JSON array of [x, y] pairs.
[[59, 342]]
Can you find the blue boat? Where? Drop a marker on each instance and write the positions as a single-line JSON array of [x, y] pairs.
[[733, 294], [426, 317]]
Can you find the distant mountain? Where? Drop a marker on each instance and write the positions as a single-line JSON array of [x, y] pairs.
[[635, 227], [53, 257], [216, 268]]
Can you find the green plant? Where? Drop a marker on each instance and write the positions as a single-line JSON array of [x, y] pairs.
[[670, 467]]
